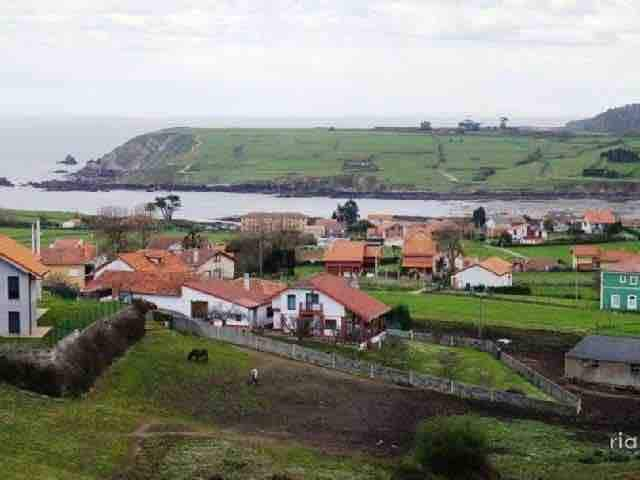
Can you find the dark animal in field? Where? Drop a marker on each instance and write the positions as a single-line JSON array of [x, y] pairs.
[[198, 355]]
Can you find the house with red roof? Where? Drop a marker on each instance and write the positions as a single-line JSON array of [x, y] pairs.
[[419, 253], [210, 262], [146, 261], [71, 259], [244, 302], [21, 274], [348, 258], [491, 272], [596, 221], [331, 307]]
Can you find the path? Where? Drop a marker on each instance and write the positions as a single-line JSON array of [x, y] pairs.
[[449, 177], [510, 252]]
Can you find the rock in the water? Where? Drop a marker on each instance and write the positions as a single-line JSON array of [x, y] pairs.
[[69, 160], [4, 182]]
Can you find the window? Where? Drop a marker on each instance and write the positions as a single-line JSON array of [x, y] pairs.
[[312, 299], [632, 302], [269, 312], [14, 288], [635, 369], [330, 324], [633, 280], [291, 302], [615, 301], [14, 323], [623, 279]]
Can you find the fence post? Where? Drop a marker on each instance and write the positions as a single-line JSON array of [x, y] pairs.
[[410, 377], [371, 370], [293, 351], [333, 360], [412, 335]]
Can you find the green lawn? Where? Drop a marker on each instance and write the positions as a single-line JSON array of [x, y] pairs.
[[513, 314], [399, 159], [23, 235], [90, 437]]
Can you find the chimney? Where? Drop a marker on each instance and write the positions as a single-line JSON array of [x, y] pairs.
[[38, 236], [247, 282], [33, 238]]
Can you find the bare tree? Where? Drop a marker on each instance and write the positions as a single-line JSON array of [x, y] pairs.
[[112, 227], [450, 244]]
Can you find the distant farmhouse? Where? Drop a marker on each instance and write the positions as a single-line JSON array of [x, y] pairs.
[[265, 222]]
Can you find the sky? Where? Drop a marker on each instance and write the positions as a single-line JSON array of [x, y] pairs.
[[282, 58]]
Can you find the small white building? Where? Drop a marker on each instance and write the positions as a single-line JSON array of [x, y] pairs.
[[211, 263], [245, 302], [331, 306], [21, 274], [492, 272]]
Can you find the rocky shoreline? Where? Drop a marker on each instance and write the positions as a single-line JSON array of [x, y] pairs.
[[4, 182], [618, 192]]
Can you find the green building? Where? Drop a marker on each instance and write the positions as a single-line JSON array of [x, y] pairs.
[[620, 286]]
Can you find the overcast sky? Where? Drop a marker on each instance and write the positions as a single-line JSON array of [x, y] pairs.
[[563, 58]]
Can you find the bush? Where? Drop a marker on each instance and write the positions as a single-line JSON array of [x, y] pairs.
[[399, 317], [455, 447], [60, 288], [512, 290]]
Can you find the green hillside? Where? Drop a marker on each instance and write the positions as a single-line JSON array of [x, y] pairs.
[[374, 160]]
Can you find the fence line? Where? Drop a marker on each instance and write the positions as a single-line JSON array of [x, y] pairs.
[[340, 363], [549, 387]]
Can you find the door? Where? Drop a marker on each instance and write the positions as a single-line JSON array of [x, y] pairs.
[[199, 310], [615, 301], [632, 302], [14, 323]]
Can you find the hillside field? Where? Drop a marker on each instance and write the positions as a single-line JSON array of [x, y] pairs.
[[493, 161], [153, 415]]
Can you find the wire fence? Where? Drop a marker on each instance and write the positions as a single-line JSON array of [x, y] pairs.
[[80, 318]]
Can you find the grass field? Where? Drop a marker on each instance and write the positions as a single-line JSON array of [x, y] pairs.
[[400, 159], [23, 235], [513, 314], [93, 437], [471, 366]]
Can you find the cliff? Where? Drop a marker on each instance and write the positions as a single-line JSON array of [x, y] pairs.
[[615, 120], [140, 154]]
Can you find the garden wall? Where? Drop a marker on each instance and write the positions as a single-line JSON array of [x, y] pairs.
[[73, 365], [546, 385], [246, 339]]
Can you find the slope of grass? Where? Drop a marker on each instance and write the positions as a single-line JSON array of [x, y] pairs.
[[401, 159], [513, 314]]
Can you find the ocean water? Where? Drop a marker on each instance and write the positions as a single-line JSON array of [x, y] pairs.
[[30, 148]]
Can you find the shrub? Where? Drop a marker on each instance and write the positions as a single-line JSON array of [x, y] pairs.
[[455, 447], [399, 317], [512, 290]]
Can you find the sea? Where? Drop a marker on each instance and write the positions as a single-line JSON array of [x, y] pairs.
[[31, 147]]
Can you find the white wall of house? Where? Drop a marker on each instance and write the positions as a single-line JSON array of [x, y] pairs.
[[477, 276], [220, 267], [249, 317], [116, 266], [286, 319], [162, 301], [26, 306]]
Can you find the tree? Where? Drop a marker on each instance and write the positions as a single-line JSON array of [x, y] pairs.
[[505, 239], [166, 205], [479, 217], [193, 239], [112, 227], [449, 242], [349, 213], [454, 447], [142, 222], [359, 228], [547, 224]]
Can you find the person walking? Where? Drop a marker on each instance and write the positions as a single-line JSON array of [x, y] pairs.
[[253, 376]]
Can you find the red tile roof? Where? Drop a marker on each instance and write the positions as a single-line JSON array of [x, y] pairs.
[[154, 261], [600, 216], [613, 256], [627, 266], [345, 251], [142, 283], [64, 252], [21, 256], [497, 265], [419, 244], [203, 256], [586, 251], [261, 292], [163, 242], [417, 262], [353, 299]]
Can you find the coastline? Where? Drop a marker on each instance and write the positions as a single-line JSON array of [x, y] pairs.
[[618, 192]]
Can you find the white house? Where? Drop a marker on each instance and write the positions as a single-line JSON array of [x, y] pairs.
[[21, 274], [492, 272], [596, 221], [245, 302], [211, 263], [145, 261], [331, 306]]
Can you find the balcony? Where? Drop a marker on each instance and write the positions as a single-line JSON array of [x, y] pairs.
[[310, 309]]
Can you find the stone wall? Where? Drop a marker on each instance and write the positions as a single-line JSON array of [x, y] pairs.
[[375, 371], [72, 366]]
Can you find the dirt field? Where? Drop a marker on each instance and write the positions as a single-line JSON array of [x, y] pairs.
[[321, 407]]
